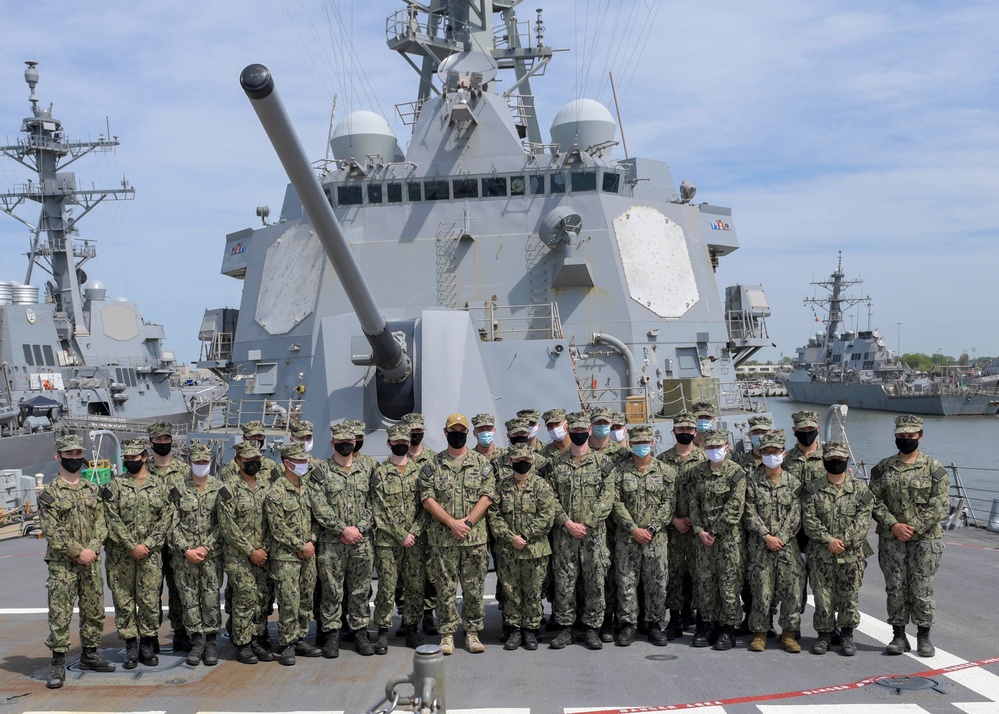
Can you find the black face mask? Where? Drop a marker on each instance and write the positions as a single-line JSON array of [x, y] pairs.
[[416, 438], [344, 448], [836, 466], [456, 439], [162, 449], [906, 446], [579, 437], [399, 449], [134, 467], [523, 439], [806, 438], [252, 468], [522, 467], [684, 438], [357, 445], [71, 465]]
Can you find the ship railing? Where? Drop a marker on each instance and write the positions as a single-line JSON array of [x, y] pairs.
[[636, 401], [227, 416], [535, 321], [537, 147], [96, 422], [81, 249], [413, 24], [218, 348], [502, 36], [409, 112]]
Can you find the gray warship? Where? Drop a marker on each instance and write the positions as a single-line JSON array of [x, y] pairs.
[[484, 268], [860, 370], [71, 358]]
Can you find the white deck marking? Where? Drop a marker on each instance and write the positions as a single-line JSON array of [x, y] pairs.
[[977, 707], [805, 708]]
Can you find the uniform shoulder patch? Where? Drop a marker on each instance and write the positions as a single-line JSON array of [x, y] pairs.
[[224, 493], [46, 498], [939, 474], [866, 497], [809, 490], [487, 470], [608, 467], [877, 472], [175, 495], [106, 493], [427, 471]]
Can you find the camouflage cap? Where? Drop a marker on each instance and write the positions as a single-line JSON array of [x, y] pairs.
[[601, 414], [247, 450], [908, 424], [294, 450], [483, 419], [684, 419], [358, 426], [760, 422], [515, 425], [160, 428], [343, 431], [531, 416], [69, 442], [835, 449], [641, 432], [399, 432], [774, 438], [520, 451], [698, 408], [134, 447], [578, 420], [415, 420], [805, 418], [716, 437], [253, 428], [618, 418], [199, 452], [302, 428], [553, 415], [456, 419]]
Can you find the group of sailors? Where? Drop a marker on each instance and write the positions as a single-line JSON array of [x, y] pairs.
[[619, 540]]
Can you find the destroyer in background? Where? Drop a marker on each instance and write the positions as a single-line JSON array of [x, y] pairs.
[[489, 270], [71, 359], [859, 370]]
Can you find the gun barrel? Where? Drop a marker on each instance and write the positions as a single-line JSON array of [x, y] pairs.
[[256, 80]]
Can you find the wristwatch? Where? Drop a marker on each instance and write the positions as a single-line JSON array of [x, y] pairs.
[[469, 523], [360, 530], [651, 529]]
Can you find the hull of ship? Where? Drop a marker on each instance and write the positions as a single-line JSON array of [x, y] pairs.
[[872, 396]]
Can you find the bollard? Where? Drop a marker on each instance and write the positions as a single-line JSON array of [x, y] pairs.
[[994, 517], [427, 680]]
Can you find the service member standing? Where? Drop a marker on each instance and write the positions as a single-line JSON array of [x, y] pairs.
[[804, 459], [558, 432], [254, 432], [914, 490], [422, 455], [72, 519]]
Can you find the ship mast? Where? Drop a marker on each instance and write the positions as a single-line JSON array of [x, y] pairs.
[[835, 304], [44, 151]]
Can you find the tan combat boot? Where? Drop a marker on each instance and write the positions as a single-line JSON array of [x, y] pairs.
[[447, 644], [759, 642], [788, 643], [473, 644]]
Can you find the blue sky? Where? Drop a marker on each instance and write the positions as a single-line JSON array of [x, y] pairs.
[[866, 127]]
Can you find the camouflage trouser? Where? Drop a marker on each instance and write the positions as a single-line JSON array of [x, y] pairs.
[[467, 564], [175, 610], [69, 582], [430, 582], [645, 563], [252, 594], [396, 564], [718, 578], [294, 583], [610, 580], [775, 579], [200, 586], [345, 570], [909, 569], [523, 580], [135, 589], [679, 583], [836, 588], [587, 560]]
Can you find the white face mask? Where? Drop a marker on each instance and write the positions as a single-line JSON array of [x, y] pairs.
[[201, 470], [716, 454], [300, 469], [617, 435], [772, 461], [534, 431], [558, 433], [307, 445]]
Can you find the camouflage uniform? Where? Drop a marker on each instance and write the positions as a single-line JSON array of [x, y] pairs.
[[806, 468], [170, 475], [415, 420]]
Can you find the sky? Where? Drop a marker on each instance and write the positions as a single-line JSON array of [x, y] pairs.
[[869, 128]]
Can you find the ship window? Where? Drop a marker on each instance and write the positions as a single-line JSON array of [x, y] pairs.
[[348, 195], [437, 190], [584, 181], [558, 183], [394, 191], [27, 356], [855, 357], [466, 188], [837, 358], [131, 378], [38, 355], [611, 182], [537, 185], [117, 375], [374, 193], [869, 364], [496, 186], [49, 356], [414, 190]]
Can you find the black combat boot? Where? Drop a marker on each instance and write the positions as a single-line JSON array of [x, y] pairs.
[[529, 639], [346, 634], [381, 642], [304, 648], [924, 648], [429, 626], [847, 648], [331, 647], [197, 650], [837, 636], [674, 628], [562, 638], [607, 629], [92, 660], [288, 656], [822, 642], [506, 630], [265, 642], [262, 652], [625, 636], [322, 636], [715, 633], [591, 639], [147, 655], [726, 638], [513, 640], [131, 653], [656, 635], [211, 651], [743, 627], [181, 641], [702, 633], [245, 655], [414, 638], [362, 645], [57, 675], [899, 642]]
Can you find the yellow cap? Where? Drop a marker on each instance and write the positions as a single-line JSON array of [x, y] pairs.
[[455, 420]]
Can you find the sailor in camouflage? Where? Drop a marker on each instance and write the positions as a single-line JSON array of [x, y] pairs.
[[399, 525], [421, 455], [583, 482], [558, 432], [914, 490], [837, 516], [457, 488], [683, 456], [718, 498], [254, 432], [341, 506], [288, 511], [533, 419], [197, 549], [484, 429], [758, 426], [706, 420], [245, 544], [645, 489], [619, 429], [302, 431], [804, 459], [72, 519], [601, 419], [138, 512], [520, 519], [359, 433], [774, 569]]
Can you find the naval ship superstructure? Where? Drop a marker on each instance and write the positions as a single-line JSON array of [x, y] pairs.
[[511, 271], [71, 358]]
